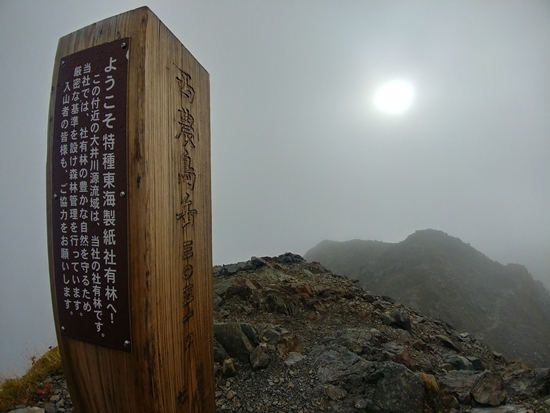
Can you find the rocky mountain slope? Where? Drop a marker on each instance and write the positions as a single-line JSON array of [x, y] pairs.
[[292, 337], [444, 278]]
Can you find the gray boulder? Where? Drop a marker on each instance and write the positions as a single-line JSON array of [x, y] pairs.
[[398, 390], [337, 364], [458, 383], [402, 320], [489, 389], [523, 384], [356, 340], [234, 340], [383, 386], [458, 362]]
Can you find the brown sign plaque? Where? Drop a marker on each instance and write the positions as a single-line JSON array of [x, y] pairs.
[[89, 190]]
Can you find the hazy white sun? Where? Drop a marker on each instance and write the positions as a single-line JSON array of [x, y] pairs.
[[394, 97]]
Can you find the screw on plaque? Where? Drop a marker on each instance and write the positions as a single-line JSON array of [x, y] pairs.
[[62, 63], [123, 45], [127, 343], [123, 194], [54, 196], [62, 328]]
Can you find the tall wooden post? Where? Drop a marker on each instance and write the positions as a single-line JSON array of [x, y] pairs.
[[129, 218]]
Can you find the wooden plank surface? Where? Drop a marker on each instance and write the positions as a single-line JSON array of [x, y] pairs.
[[169, 218]]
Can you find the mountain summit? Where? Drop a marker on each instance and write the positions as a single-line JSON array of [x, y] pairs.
[[447, 279], [291, 336]]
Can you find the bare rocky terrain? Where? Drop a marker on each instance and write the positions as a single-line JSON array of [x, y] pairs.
[[291, 336]]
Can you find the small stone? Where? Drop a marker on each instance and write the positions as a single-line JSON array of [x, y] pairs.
[[259, 359], [335, 392], [228, 368], [290, 343], [50, 408], [402, 320], [459, 362], [476, 363], [447, 342], [292, 359]]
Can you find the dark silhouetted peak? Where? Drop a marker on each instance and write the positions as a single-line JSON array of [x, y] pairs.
[[448, 279]]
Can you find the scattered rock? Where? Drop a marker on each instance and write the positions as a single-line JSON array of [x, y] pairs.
[[398, 390], [357, 340], [259, 359], [458, 362], [293, 358], [50, 408], [233, 339], [477, 364], [432, 393], [405, 358], [228, 368], [289, 343], [489, 389], [448, 342], [337, 363], [402, 320], [523, 384], [334, 392], [458, 384]]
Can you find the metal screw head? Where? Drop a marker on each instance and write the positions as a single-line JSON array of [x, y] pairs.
[[127, 343], [62, 63], [54, 196], [123, 194], [123, 45], [62, 328]]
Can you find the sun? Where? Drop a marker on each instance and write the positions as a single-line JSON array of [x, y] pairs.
[[394, 97]]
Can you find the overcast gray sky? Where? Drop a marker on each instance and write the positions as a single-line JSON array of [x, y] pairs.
[[299, 151]]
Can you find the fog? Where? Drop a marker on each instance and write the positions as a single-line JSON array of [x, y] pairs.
[[299, 151]]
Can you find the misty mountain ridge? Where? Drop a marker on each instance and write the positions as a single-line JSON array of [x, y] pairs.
[[447, 279]]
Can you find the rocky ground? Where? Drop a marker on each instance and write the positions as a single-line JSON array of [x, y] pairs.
[[293, 337]]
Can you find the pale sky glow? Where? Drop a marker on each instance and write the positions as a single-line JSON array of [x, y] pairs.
[[300, 153], [394, 97]]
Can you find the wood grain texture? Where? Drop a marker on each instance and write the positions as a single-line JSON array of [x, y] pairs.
[[169, 235]]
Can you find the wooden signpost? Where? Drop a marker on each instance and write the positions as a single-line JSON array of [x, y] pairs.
[[129, 219]]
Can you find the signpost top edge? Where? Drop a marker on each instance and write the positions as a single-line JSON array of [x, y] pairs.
[[148, 16]]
